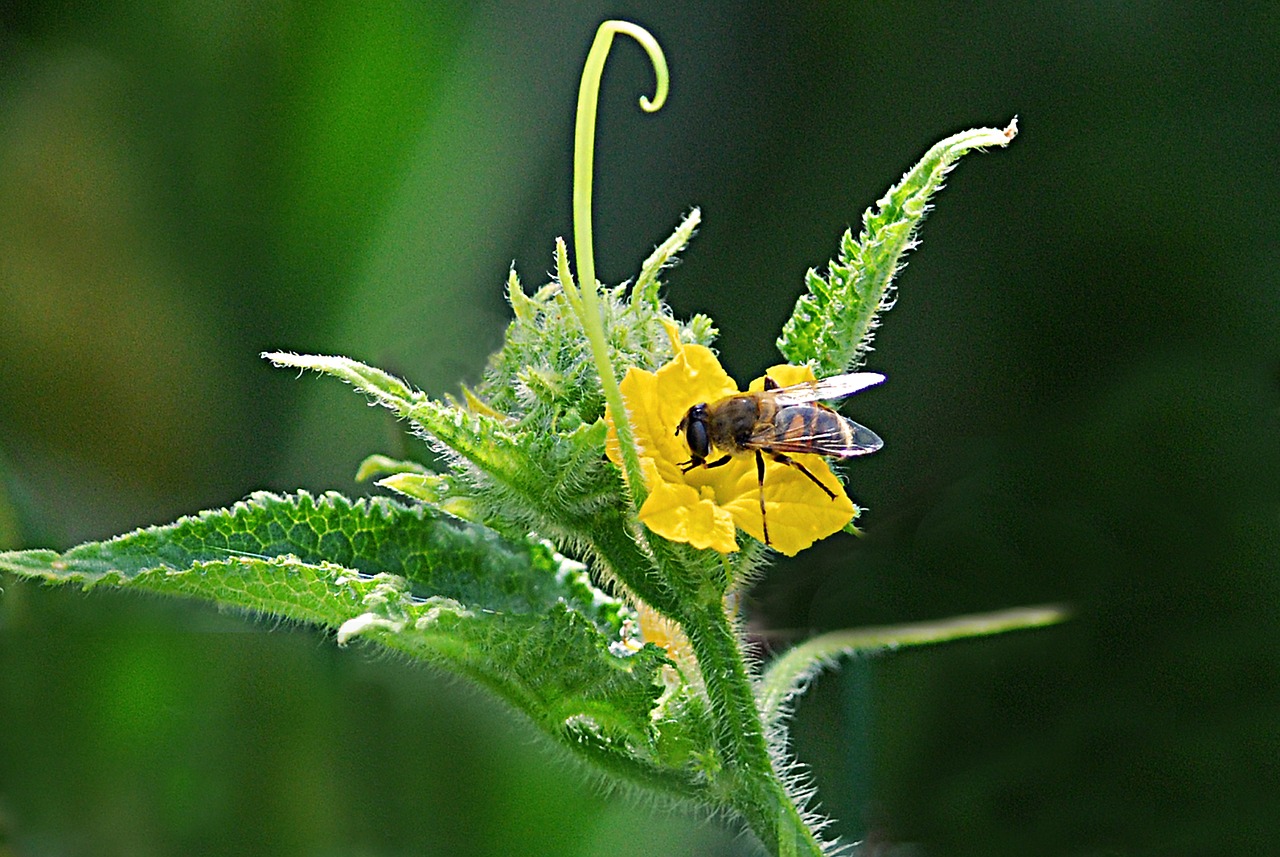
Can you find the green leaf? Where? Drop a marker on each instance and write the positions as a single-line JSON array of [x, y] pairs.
[[513, 616], [557, 484], [789, 674], [832, 326]]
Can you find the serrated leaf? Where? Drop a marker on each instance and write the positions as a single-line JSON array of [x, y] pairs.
[[514, 616], [557, 484], [832, 325]]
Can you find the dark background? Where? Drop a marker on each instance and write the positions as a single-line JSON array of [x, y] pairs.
[[1081, 407]]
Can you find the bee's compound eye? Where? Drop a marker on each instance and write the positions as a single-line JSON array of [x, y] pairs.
[[695, 431]]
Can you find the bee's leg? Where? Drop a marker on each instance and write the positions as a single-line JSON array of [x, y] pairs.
[[760, 476], [791, 462], [691, 463]]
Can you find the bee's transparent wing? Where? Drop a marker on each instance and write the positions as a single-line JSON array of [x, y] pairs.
[[863, 440], [826, 390], [837, 436], [837, 445]]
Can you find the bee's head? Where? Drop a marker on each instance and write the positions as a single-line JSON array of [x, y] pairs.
[[694, 426]]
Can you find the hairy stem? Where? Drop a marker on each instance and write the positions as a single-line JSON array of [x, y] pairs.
[[746, 777], [743, 775]]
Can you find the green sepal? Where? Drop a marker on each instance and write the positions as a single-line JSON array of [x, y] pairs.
[[832, 325], [647, 284], [544, 376], [375, 466]]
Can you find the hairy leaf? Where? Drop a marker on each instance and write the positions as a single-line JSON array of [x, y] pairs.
[[832, 325], [514, 616], [555, 483]]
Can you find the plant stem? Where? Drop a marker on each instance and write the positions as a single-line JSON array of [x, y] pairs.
[[746, 779], [744, 776]]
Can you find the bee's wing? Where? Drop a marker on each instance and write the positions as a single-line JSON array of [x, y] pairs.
[[825, 390], [861, 441], [840, 437]]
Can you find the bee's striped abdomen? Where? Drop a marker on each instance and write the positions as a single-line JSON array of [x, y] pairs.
[[821, 429]]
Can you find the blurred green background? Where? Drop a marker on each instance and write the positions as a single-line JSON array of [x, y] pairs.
[[1082, 406]]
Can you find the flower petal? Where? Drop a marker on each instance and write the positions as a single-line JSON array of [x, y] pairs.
[[658, 402], [639, 392], [695, 375], [675, 511], [784, 375], [799, 512]]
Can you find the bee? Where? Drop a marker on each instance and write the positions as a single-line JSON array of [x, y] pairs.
[[777, 421]]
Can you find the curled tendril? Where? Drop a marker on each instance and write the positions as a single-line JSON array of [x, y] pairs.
[[584, 141], [583, 298]]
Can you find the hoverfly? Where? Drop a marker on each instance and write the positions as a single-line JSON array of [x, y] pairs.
[[777, 421]]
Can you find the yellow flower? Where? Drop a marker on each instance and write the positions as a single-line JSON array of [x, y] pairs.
[[704, 506]]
